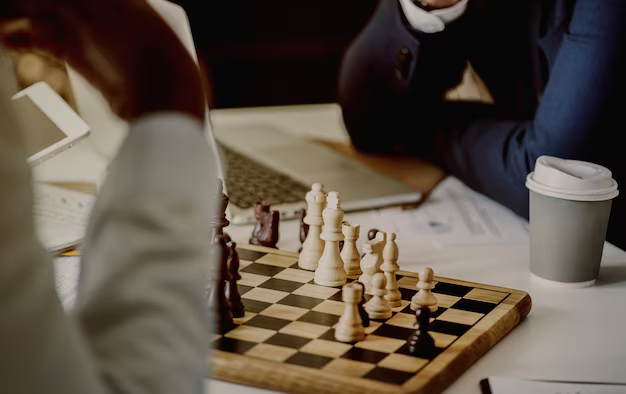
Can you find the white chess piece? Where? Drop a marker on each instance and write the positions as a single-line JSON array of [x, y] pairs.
[[390, 267], [350, 327], [424, 297], [313, 245], [349, 253], [378, 307], [330, 270], [371, 262]]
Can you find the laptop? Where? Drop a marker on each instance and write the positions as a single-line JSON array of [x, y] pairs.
[[261, 162]]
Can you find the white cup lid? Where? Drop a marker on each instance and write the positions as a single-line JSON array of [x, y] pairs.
[[572, 180]]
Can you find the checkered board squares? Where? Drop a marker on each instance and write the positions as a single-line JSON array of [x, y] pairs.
[[289, 327]]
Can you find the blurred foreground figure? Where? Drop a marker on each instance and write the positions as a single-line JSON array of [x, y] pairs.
[[141, 317], [555, 69]]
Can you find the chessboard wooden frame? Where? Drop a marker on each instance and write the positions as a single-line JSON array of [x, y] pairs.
[[433, 378]]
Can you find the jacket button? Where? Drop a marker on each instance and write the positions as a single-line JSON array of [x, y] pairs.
[[403, 63]]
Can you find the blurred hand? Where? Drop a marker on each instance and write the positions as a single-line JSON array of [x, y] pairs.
[[122, 47], [438, 3]]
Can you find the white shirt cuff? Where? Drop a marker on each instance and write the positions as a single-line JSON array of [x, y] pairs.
[[433, 21]]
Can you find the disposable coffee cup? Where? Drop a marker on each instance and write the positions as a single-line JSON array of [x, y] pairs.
[[570, 205]]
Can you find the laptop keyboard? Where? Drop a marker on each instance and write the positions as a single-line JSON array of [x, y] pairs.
[[249, 182]]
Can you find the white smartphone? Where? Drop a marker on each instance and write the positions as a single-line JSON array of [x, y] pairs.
[[49, 124]]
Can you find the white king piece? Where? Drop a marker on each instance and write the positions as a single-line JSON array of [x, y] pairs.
[[313, 245], [330, 270]]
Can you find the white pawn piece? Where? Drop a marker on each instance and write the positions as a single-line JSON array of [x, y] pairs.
[[350, 326], [349, 253], [378, 307], [424, 297], [330, 270], [313, 245], [390, 267], [371, 262]]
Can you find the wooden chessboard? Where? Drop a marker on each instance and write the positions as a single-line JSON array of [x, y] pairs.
[[286, 339]]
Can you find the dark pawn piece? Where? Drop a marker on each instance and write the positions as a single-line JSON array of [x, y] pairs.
[[224, 315], [232, 292], [421, 344], [304, 228], [265, 231], [365, 318]]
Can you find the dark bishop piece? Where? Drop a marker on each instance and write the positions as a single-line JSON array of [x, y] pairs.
[[223, 308], [232, 292], [265, 231], [421, 344]]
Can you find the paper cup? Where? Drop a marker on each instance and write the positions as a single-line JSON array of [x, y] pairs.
[[570, 205]]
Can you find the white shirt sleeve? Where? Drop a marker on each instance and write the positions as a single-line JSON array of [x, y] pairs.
[[433, 21]]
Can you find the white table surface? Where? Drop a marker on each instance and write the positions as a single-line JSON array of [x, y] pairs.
[[568, 335]]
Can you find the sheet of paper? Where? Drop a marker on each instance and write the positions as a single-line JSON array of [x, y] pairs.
[[455, 215], [66, 274], [502, 385]]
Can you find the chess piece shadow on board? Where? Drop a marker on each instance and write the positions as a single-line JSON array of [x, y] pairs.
[[265, 231]]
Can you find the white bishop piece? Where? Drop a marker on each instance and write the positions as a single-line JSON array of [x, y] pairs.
[[313, 245], [390, 267], [330, 270]]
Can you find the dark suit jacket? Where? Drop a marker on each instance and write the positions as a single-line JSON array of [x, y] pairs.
[[555, 70]]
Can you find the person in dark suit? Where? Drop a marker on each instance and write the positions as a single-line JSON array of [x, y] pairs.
[[556, 71]]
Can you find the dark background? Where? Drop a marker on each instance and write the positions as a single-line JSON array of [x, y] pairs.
[[279, 52]]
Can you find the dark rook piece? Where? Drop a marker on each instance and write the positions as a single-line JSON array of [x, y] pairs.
[[365, 318], [232, 293], [265, 231], [223, 308], [421, 344]]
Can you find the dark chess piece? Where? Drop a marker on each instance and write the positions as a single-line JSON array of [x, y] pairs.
[[304, 228], [224, 315], [219, 221], [372, 234], [227, 239], [421, 343], [265, 231], [232, 292], [365, 318]]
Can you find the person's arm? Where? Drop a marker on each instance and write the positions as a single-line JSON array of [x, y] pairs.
[[493, 152], [486, 147], [141, 315], [141, 300], [394, 71], [41, 349]]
